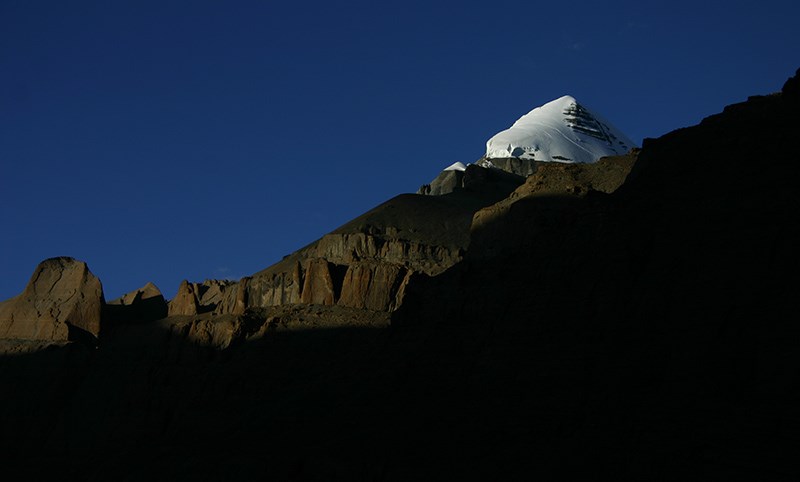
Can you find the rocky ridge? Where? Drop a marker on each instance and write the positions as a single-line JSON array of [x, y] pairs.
[[368, 262]]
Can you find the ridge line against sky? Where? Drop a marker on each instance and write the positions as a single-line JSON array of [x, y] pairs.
[[167, 140]]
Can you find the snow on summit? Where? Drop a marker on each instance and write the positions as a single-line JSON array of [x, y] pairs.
[[562, 130], [456, 166]]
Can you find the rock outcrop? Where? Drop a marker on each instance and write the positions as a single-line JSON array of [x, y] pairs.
[[318, 284], [483, 177], [446, 182], [210, 296], [375, 286], [366, 263], [550, 181], [62, 301], [186, 301], [513, 165], [142, 305], [280, 284]]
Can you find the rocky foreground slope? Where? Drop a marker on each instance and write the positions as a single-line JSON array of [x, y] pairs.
[[588, 332]]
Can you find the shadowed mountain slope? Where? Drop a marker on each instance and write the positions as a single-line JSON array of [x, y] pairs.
[[664, 313]]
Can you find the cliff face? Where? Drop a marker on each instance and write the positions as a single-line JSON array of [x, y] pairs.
[[357, 270], [217, 296], [368, 262]]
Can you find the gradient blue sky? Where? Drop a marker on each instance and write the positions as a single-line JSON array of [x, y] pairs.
[[167, 140]]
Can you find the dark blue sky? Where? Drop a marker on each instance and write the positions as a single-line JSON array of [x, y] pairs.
[[167, 140]]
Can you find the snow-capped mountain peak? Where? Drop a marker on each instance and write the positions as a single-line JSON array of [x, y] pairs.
[[562, 130]]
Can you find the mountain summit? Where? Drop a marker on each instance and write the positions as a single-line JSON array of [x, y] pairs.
[[562, 130]]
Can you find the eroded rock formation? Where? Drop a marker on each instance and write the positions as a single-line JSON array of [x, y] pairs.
[[185, 301], [145, 304], [62, 300], [366, 263]]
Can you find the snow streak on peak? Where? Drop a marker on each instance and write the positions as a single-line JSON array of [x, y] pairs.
[[562, 130], [456, 166]]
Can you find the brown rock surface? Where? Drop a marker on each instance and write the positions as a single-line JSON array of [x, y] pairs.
[[210, 296], [62, 299], [280, 284], [318, 287], [372, 286], [185, 301], [499, 176], [551, 181], [367, 262], [216, 296], [241, 296], [219, 331], [145, 304]]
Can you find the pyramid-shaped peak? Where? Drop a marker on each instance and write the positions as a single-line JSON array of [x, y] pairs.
[[562, 130]]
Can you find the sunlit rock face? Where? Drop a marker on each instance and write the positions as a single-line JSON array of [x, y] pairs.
[[62, 299]]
